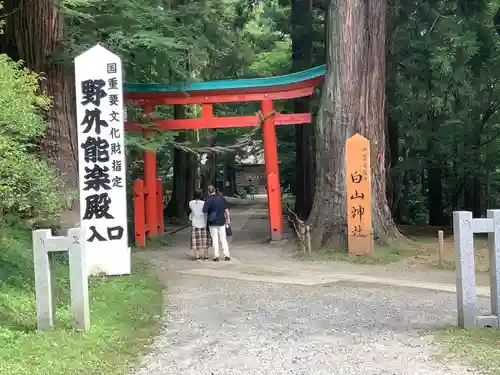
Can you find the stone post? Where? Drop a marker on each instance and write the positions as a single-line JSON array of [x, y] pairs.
[[44, 245], [465, 269], [464, 227]]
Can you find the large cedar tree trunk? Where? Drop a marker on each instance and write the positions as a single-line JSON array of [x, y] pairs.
[[229, 175], [208, 175], [184, 179], [395, 179], [434, 175], [472, 195], [185, 165], [435, 194], [353, 100], [302, 44], [33, 31]]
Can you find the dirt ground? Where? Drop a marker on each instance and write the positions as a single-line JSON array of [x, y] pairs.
[[425, 248]]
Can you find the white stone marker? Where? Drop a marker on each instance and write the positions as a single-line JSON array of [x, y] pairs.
[[464, 227], [44, 245], [101, 157]]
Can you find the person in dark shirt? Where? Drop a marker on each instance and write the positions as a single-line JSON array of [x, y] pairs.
[[217, 211]]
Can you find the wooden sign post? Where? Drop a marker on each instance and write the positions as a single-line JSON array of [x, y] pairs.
[[359, 195], [102, 164]]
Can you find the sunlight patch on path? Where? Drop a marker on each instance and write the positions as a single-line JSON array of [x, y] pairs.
[[291, 276], [266, 277]]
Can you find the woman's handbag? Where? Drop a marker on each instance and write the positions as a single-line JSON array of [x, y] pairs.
[[229, 231]]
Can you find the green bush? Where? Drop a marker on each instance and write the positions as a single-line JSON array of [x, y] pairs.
[[288, 201], [28, 186]]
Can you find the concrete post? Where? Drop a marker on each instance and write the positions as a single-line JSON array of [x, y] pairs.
[[465, 269], [44, 285], [494, 256], [464, 227], [44, 245], [78, 281]]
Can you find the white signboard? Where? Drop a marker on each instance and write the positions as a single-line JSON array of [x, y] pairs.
[[101, 155]]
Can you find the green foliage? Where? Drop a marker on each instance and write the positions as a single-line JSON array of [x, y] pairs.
[[278, 59], [159, 42], [443, 97], [124, 313], [288, 201], [26, 183]]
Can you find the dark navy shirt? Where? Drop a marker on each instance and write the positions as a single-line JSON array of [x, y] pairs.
[[214, 207]]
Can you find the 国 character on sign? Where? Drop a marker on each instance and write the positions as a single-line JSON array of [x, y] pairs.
[[111, 68]]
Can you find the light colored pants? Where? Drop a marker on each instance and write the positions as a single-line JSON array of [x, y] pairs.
[[219, 234]]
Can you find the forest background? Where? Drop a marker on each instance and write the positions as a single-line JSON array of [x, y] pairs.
[[431, 69]]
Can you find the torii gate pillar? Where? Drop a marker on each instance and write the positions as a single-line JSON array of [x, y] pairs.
[[150, 186], [272, 172]]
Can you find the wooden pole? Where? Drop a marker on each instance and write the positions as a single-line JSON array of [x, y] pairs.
[[303, 242], [440, 247], [359, 195], [308, 239]]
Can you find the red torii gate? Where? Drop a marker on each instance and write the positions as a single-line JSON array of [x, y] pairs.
[[148, 194]]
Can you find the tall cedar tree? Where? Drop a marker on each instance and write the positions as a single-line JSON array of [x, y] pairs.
[[302, 55], [32, 34], [352, 101]]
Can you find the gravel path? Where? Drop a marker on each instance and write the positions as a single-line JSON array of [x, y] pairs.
[[219, 326], [223, 326]]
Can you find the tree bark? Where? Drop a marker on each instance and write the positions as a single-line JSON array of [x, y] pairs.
[[472, 195], [184, 176], [395, 178], [32, 34], [302, 45], [208, 176], [353, 100], [229, 175], [435, 195]]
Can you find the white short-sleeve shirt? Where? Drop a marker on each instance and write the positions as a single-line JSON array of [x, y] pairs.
[[197, 217]]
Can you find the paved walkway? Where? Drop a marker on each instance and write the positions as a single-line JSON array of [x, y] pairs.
[[267, 313]]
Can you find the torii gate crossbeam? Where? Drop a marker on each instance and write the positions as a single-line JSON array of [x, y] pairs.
[[148, 198]]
